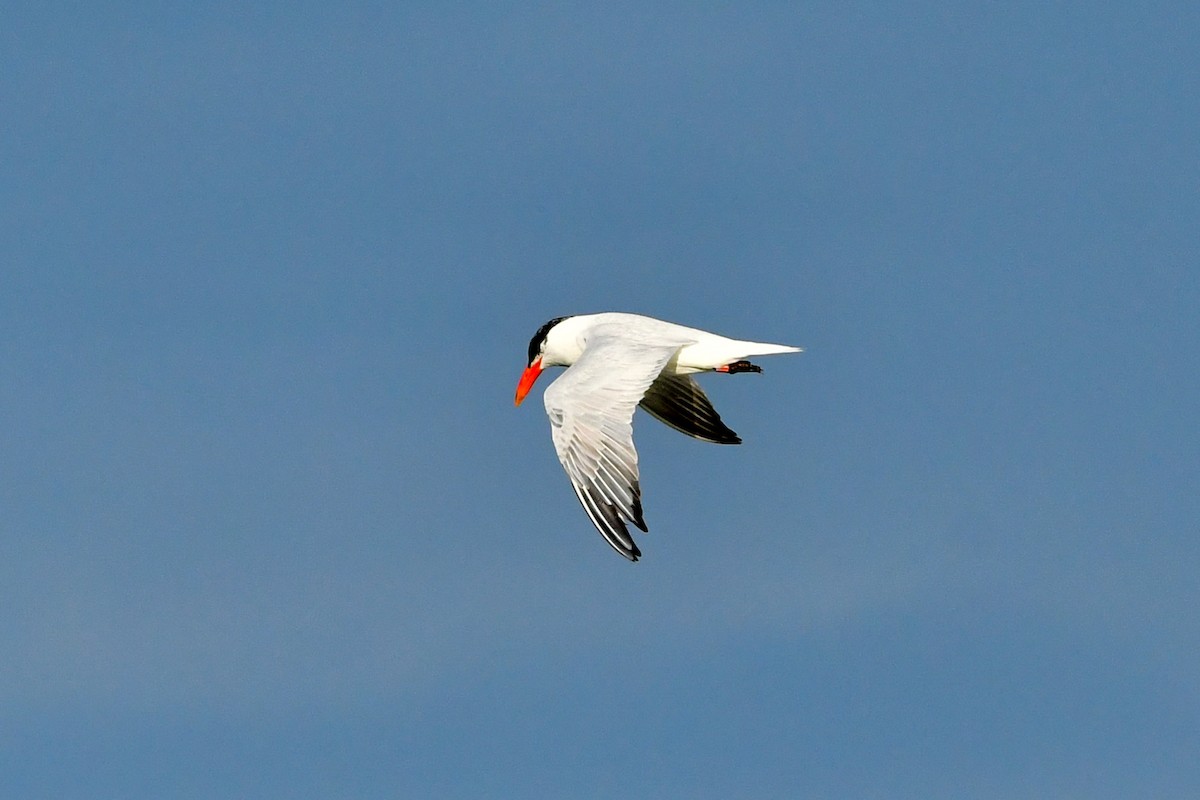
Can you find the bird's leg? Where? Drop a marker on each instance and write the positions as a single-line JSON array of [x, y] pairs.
[[739, 366]]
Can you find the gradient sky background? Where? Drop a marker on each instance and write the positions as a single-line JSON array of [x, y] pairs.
[[271, 527]]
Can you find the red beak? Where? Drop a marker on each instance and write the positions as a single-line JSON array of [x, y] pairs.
[[527, 378]]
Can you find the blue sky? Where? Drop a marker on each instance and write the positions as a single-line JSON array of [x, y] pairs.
[[271, 527]]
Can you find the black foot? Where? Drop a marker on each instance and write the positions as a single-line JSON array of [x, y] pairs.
[[739, 366]]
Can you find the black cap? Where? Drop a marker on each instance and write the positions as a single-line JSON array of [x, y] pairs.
[[535, 344]]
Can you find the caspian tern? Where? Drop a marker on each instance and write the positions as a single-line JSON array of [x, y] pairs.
[[617, 362]]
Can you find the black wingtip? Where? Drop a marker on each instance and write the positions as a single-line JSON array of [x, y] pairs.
[[629, 552], [637, 507], [608, 520]]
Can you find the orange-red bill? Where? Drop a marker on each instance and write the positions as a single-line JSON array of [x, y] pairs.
[[527, 378]]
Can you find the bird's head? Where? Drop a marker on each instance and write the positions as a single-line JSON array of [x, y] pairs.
[[541, 355]]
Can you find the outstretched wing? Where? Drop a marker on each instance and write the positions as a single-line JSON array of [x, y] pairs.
[[591, 422], [678, 401]]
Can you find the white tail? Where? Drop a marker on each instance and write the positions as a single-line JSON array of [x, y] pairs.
[[716, 351]]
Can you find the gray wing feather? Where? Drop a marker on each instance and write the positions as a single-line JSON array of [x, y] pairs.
[[591, 409]]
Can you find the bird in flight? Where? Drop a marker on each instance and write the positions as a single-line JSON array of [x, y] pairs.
[[617, 362]]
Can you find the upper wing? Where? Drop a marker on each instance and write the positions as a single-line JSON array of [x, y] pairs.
[[678, 401], [591, 422]]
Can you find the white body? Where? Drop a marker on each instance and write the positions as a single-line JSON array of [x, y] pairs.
[[699, 351]]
